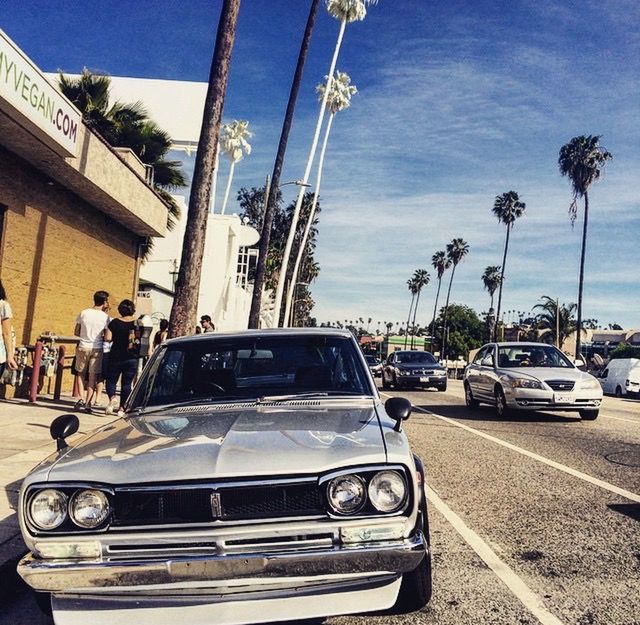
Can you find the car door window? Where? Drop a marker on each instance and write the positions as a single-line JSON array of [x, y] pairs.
[[605, 374], [480, 355]]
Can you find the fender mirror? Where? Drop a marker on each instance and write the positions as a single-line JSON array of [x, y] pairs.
[[62, 427], [399, 409]]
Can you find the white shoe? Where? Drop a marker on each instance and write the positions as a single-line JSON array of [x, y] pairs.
[[111, 407]]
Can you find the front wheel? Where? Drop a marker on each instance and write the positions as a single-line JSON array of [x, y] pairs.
[[469, 399], [618, 391], [589, 415], [442, 388], [385, 386], [502, 410]]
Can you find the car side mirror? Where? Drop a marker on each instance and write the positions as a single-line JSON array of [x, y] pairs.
[[62, 427], [578, 362], [399, 409], [487, 361]]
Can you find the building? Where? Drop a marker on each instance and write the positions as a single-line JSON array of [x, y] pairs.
[[74, 212]]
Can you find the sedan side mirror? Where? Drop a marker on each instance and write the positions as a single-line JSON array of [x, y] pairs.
[[399, 409], [62, 427]]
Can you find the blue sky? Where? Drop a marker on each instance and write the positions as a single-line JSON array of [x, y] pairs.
[[458, 102]]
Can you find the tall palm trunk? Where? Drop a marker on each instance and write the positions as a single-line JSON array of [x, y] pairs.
[[312, 152], [185, 303], [263, 252], [228, 187], [446, 313], [581, 282], [406, 334], [307, 229], [413, 323], [504, 262], [433, 321]]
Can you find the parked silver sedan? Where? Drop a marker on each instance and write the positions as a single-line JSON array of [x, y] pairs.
[[530, 376], [255, 477]]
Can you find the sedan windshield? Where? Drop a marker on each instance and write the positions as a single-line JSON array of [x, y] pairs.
[[415, 358], [223, 368], [532, 356]]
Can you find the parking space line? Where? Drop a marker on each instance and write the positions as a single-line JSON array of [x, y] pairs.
[[502, 570], [552, 463]]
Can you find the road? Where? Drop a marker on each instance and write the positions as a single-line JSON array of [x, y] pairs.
[[534, 519]]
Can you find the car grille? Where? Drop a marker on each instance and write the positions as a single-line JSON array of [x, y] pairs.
[[188, 505], [561, 385]]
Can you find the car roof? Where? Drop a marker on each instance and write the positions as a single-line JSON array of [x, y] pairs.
[[521, 344], [291, 332]]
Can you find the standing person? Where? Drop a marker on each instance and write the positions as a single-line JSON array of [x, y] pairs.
[[7, 358], [123, 358], [102, 378], [207, 324], [162, 334], [91, 328]]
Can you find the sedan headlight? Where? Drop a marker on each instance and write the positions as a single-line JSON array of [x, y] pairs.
[[89, 508], [525, 383], [48, 509], [589, 384], [346, 494], [440, 372], [387, 491]]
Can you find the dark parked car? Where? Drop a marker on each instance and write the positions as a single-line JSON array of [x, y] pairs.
[[255, 477], [404, 369]]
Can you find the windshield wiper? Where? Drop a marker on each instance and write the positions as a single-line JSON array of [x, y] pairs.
[[266, 399]]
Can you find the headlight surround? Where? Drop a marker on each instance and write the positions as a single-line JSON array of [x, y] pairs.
[[387, 491], [526, 383], [589, 384], [440, 372], [89, 508], [48, 509], [346, 494]]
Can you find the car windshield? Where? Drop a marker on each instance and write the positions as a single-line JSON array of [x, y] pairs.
[[223, 368], [532, 356], [415, 358]]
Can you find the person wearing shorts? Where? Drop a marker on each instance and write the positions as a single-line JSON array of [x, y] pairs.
[[91, 328]]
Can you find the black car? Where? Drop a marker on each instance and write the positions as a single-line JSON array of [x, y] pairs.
[[403, 369]]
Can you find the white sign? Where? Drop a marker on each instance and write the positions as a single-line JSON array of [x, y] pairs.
[[24, 90]]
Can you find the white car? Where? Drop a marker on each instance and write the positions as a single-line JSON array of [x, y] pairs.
[[530, 376], [621, 377]]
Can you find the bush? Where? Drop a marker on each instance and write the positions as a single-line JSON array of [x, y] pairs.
[[624, 350]]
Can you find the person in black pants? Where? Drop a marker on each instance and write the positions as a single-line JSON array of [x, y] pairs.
[[123, 359]]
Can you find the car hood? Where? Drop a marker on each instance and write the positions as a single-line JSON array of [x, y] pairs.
[[548, 373], [247, 442], [419, 367]]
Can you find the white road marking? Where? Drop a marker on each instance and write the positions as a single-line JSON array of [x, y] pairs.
[[503, 571], [525, 452]]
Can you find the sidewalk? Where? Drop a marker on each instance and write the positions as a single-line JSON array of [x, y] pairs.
[[24, 442]]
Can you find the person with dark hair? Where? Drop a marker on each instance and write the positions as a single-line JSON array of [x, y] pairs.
[[123, 358], [7, 358], [91, 328], [207, 324], [162, 334]]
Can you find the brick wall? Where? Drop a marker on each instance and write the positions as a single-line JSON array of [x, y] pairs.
[[56, 251]]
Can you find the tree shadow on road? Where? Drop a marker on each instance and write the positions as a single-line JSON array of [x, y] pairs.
[[487, 413]]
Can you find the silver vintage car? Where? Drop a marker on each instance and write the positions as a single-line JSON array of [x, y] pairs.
[[530, 376], [255, 477]]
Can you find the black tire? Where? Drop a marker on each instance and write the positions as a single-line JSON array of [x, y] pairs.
[[396, 385], [469, 399], [416, 587], [589, 415], [442, 388], [501, 407], [618, 391], [43, 601], [385, 386]]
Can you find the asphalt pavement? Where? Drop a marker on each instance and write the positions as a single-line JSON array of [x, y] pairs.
[[534, 518]]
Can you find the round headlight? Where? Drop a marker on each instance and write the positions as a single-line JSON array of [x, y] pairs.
[[387, 491], [89, 508], [346, 494], [48, 509]]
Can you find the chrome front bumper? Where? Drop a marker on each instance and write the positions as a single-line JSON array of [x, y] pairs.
[[142, 575]]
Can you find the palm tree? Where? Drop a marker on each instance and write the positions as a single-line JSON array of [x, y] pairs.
[[421, 278], [507, 208], [440, 263], [456, 251], [234, 144], [346, 11], [270, 204], [338, 100], [491, 278], [184, 309], [413, 289], [555, 320], [582, 161]]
